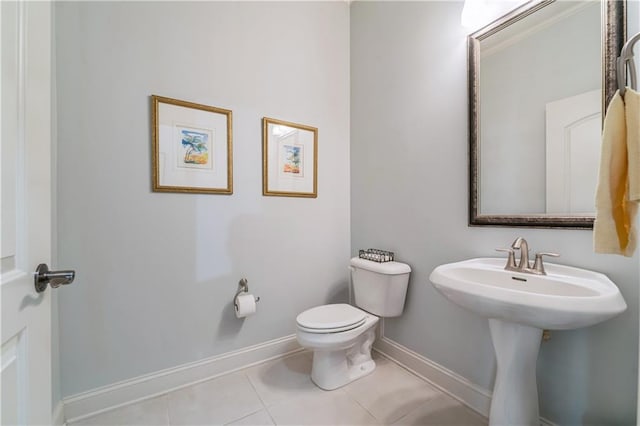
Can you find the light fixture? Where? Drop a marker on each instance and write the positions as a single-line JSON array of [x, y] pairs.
[[478, 13]]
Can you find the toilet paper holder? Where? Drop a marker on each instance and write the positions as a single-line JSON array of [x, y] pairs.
[[243, 287]]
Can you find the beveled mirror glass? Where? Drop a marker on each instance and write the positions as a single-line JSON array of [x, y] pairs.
[[539, 78]]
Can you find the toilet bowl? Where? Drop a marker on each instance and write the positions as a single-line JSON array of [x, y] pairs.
[[340, 337]]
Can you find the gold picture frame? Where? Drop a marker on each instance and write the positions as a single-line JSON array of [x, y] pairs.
[[192, 147], [289, 159]]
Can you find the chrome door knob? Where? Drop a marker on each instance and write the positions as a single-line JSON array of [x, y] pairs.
[[43, 277]]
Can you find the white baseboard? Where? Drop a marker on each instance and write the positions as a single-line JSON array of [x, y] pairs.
[[468, 393], [148, 386], [58, 414]]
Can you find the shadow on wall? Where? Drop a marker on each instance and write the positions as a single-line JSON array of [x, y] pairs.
[[229, 325], [578, 354], [339, 293], [244, 233], [282, 267]]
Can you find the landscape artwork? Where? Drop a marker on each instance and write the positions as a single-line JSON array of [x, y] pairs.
[[194, 148], [292, 160]]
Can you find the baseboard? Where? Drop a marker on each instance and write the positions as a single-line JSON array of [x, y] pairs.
[[58, 414], [148, 386], [468, 393]]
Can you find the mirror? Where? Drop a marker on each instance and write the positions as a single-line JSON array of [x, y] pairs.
[[538, 80]]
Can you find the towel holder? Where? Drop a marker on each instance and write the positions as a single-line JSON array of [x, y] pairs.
[[626, 60]]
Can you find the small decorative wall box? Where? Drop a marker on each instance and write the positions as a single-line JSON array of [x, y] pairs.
[[192, 147], [289, 159]]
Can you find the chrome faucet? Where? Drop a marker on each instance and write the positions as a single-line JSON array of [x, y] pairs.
[[524, 265]]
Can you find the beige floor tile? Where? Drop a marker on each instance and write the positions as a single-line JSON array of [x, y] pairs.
[[152, 412], [390, 395], [261, 418], [327, 408], [214, 402], [284, 378], [442, 410], [390, 392]]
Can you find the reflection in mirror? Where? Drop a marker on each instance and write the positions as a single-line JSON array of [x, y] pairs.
[[535, 113], [545, 59]]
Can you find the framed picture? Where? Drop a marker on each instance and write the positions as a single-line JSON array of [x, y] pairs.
[[289, 159], [192, 147]]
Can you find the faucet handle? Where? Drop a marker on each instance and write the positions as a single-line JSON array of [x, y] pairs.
[[507, 249], [538, 266], [511, 260], [540, 254]]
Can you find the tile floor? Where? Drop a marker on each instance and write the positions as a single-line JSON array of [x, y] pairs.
[[280, 392]]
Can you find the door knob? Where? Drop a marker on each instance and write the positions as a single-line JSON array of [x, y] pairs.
[[44, 276]]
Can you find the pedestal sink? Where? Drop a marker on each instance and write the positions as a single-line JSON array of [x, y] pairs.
[[519, 306]]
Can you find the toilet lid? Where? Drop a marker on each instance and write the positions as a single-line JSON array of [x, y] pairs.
[[331, 317]]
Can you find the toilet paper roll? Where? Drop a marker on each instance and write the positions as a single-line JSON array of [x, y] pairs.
[[245, 305]]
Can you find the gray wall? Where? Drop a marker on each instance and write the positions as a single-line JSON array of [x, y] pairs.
[[409, 194], [156, 272]]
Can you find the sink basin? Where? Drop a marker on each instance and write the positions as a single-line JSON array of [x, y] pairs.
[[565, 298], [519, 306]]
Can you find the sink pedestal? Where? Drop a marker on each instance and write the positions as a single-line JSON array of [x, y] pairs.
[[564, 298], [515, 393]]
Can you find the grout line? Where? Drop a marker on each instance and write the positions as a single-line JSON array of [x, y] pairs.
[[441, 391], [166, 408], [253, 386], [244, 417], [264, 405], [270, 416], [430, 383], [380, 421], [402, 417]]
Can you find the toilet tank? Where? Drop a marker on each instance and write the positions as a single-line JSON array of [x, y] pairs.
[[380, 288]]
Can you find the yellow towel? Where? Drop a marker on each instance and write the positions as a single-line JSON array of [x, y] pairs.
[[632, 116], [614, 230]]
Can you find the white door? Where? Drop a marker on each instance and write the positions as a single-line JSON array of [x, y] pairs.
[[25, 125], [573, 129]]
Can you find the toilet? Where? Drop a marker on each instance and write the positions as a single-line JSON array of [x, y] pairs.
[[341, 335]]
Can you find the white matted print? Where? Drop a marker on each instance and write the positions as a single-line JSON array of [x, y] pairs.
[[289, 159], [192, 147]]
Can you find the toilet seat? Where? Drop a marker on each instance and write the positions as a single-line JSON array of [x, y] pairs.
[[331, 318]]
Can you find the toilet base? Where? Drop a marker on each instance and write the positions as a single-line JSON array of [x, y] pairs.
[[333, 369]]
